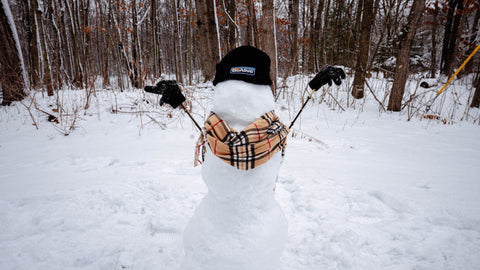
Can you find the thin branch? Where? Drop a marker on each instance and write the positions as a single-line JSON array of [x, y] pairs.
[[371, 91], [338, 103]]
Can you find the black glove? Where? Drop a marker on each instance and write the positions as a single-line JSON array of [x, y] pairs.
[[327, 75], [170, 92], [152, 89], [160, 87]]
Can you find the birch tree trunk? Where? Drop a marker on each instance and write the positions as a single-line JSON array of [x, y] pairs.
[[47, 75], [403, 56], [11, 67], [177, 46], [75, 48], [136, 60], [153, 22]]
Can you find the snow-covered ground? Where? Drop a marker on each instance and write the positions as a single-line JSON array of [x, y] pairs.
[[360, 189]]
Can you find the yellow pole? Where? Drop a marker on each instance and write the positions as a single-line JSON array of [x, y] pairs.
[[458, 70]]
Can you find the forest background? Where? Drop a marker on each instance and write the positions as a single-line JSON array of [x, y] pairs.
[[362, 187], [76, 43]]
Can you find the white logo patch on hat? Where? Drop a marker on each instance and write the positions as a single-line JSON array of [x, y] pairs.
[[243, 70]]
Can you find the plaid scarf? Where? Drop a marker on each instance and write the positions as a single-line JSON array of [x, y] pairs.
[[247, 149]]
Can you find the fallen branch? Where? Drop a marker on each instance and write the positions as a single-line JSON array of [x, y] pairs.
[[308, 137], [371, 91], [30, 112], [338, 103], [161, 125]]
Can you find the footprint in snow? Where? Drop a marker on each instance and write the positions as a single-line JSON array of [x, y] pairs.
[[391, 202]]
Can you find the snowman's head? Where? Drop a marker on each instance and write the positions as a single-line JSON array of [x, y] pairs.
[[242, 86], [245, 63]]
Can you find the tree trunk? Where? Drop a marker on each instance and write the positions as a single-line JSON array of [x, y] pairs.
[[450, 42], [268, 38], [433, 60], [304, 36], [47, 75], [251, 23], [55, 16], [136, 77], [106, 43], [208, 37], [476, 97], [362, 59], [326, 26], [294, 15], [189, 61], [403, 56], [153, 41], [87, 69], [75, 48], [33, 48], [358, 19], [11, 67], [177, 46], [473, 36], [232, 28], [316, 38], [309, 66]]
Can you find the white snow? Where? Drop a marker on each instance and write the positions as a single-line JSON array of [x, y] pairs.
[[381, 192]]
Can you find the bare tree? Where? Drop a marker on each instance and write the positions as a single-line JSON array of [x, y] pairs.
[[72, 42], [403, 56]]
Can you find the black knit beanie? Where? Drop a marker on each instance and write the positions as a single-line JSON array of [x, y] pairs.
[[245, 63]]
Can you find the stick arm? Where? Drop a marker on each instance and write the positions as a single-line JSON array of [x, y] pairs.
[[301, 109]]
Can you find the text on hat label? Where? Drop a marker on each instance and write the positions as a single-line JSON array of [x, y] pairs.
[[243, 70]]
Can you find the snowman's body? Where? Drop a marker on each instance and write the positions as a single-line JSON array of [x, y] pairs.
[[238, 224]]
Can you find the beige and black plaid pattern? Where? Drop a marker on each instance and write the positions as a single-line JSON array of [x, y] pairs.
[[249, 148]]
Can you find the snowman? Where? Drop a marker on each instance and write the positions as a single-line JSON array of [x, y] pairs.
[[239, 224]]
